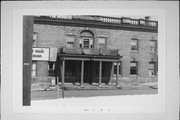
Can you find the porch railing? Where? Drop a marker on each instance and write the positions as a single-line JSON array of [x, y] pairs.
[[89, 51]]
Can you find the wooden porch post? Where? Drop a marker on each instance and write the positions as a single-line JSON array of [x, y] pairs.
[[100, 72], [82, 72], [63, 77], [117, 74]]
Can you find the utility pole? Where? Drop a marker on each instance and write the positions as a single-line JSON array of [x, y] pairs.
[[28, 22]]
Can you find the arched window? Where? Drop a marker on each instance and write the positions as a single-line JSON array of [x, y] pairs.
[[86, 39]]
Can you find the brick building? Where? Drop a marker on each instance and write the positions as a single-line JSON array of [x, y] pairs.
[[93, 49]]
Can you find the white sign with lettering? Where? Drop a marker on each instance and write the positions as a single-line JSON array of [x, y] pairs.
[[40, 54]]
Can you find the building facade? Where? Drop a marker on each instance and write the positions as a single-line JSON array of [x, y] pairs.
[[93, 49]]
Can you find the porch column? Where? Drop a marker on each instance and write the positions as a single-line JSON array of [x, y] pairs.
[[117, 74], [100, 72], [63, 77], [82, 72], [63, 72]]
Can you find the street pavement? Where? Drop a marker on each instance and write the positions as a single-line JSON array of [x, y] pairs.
[[44, 95]]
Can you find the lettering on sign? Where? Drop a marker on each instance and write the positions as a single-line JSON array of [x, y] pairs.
[[40, 54]]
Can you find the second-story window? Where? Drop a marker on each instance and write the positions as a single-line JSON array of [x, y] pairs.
[[86, 39], [70, 41], [134, 44], [35, 39], [102, 42], [152, 46], [86, 43]]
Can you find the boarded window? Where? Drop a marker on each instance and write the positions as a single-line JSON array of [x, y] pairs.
[[70, 41], [134, 45], [152, 46], [102, 42]]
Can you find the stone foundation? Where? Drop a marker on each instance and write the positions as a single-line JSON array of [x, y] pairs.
[[134, 79], [41, 83]]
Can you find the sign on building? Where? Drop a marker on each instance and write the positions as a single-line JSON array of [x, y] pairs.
[[40, 54]]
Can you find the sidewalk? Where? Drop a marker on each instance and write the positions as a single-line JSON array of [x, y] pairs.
[[95, 86], [93, 90]]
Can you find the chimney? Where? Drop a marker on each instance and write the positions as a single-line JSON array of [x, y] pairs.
[[147, 18]]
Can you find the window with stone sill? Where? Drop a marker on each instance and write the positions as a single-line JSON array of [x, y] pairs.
[[152, 69], [70, 41], [152, 46], [86, 43], [102, 42], [134, 44], [134, 68], [115, 69]]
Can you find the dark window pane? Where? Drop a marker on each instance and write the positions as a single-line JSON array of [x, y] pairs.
[[51, 68], [133, 68]]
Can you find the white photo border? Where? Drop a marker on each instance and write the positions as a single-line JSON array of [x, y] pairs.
[[168, 30]]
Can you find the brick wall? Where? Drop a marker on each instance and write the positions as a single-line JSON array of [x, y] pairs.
[[55, 36]]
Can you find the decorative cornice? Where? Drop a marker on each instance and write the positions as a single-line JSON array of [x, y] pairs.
[[100, 22]]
